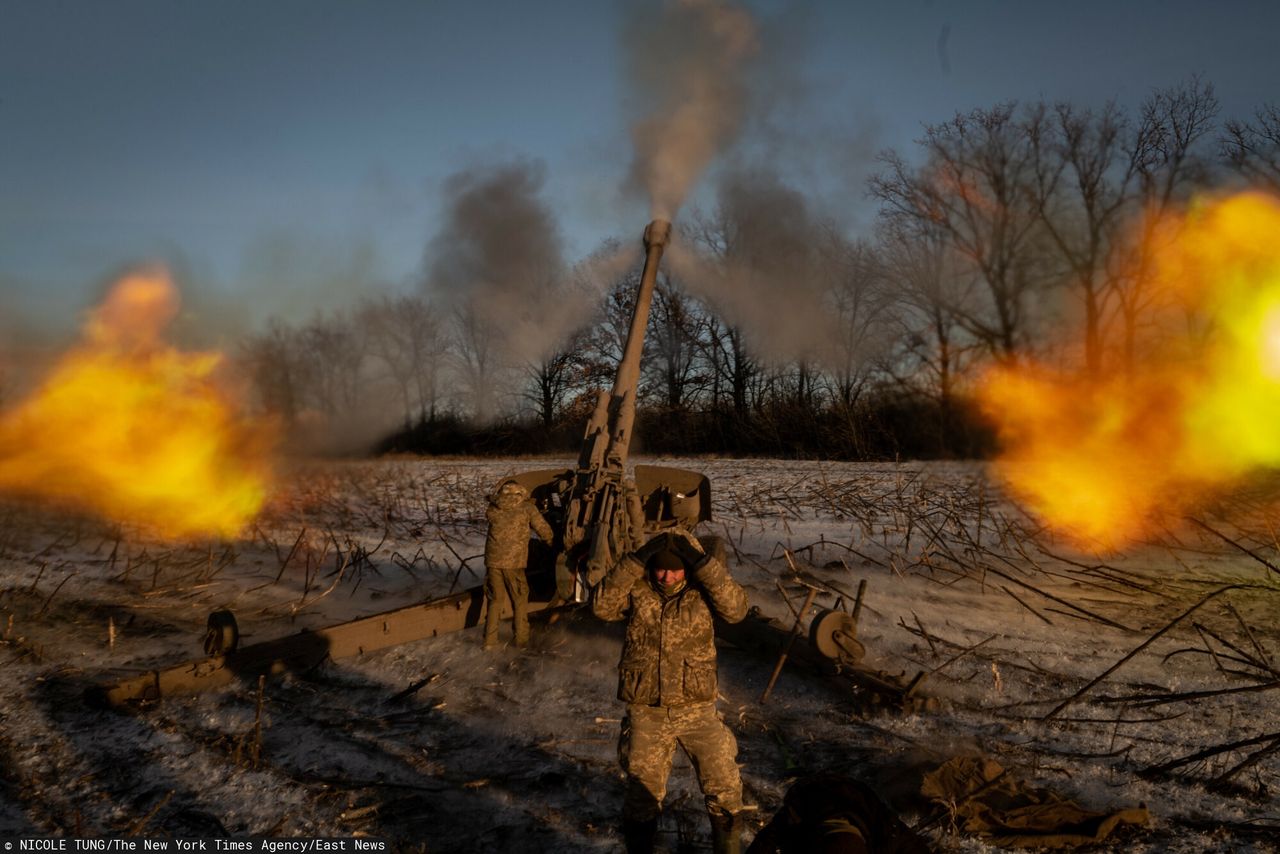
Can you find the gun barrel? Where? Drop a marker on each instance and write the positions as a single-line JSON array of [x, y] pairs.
[[627, 381]]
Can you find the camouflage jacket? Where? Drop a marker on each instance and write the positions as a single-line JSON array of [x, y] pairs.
[[669, 656], [511, 515]]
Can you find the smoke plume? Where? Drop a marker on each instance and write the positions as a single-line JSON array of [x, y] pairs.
[[498, 259], [686, 64], [770, 278]]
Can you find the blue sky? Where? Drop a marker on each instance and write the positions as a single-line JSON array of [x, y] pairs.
[[285, 156]]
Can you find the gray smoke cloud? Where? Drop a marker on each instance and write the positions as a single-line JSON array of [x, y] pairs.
[[597, 273], [718, 87], [686, 65], [498, 257], [768, 275]]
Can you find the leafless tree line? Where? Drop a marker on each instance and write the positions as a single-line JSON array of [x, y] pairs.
[[1001, 223], [1044, 210]]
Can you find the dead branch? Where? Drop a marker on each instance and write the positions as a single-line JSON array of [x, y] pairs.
[[462, 561], [1098, 617], [1268, 564], [302, 603], [1149, 700], [1245, 657], [1262, 653], [1166, 767], [961, 654], [1015, 598], [292, 551], [45, 606], [1150, 640], [401, 696], [924, 633], [1253, 759], [1209, 647]]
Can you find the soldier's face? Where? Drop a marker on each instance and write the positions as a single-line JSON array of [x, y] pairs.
[[668, 578]]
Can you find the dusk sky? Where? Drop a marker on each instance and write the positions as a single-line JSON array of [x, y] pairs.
[[284, 157]]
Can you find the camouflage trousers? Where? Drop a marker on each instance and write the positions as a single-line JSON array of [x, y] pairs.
[[500, 586], [647, 745]]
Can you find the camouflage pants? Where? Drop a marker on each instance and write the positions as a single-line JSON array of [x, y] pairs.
[[646, 747], [500, 585]]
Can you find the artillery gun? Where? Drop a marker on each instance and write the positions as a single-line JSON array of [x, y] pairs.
[[596, 510]]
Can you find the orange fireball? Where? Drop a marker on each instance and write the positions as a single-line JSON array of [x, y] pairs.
[[1108, 459], [137, 431]]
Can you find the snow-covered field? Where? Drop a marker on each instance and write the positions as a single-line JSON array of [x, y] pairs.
[[515, 750]]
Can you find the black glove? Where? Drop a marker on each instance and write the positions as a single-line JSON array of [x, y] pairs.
[[651, 548], [689, 549]]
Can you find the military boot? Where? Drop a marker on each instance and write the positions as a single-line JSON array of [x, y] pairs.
[[726, 833], [640, 835]]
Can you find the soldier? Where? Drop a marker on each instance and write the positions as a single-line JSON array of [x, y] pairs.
[[669, 590], [506, 554]]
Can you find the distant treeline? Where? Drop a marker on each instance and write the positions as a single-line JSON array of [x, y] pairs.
[[882, 428], [774, 331]]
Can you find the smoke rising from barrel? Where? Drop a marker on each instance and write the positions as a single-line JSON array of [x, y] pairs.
[[686, 65]]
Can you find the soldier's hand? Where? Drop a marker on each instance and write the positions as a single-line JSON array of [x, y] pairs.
[[651, 548], [687, 546]]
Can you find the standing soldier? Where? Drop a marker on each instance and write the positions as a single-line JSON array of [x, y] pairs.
[[511, 515], [669, 590]]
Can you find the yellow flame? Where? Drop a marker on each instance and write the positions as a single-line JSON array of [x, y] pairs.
[[137, 431], [1104, 459]]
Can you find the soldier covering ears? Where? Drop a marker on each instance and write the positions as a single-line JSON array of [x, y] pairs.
[[668, 591]]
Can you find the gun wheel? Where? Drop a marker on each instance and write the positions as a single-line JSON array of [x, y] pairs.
[[834, 634]]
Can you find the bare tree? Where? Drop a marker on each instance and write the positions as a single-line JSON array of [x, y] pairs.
[[1170, 160], [734, 366], [335, 348], [674, 344], [556, 380], [278, 369], [549, 381], [982, 185], [859, 303], [1252, 149], [608, 335], [1093, 203], [803, 385], [932, 292], [476, 361], [405, 334]]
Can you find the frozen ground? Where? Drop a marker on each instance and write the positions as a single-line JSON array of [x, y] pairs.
[[514, 751]]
